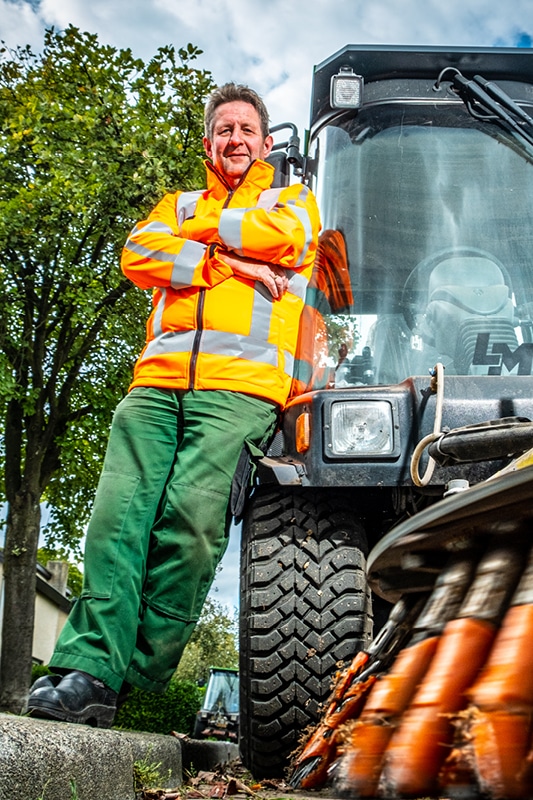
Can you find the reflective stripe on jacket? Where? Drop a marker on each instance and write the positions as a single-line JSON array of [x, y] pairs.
[[209, 328]]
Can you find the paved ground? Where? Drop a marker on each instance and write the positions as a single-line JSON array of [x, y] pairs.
[[42, 760], [232, 782]]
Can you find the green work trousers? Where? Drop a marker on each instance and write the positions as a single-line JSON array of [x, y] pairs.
[[158, 530]]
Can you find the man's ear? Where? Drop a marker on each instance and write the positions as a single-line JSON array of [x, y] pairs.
[[268, 145], [208, 147]]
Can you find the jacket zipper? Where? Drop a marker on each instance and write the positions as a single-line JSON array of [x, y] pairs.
[[197, 336], [200, 307]]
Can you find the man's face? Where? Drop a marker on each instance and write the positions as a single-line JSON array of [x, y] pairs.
[[236, 140]]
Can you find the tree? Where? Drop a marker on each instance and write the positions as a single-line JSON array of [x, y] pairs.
[[90, 138], [212, 644], [341, 329]]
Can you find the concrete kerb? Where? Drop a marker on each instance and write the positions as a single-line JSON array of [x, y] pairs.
[[41, 760]]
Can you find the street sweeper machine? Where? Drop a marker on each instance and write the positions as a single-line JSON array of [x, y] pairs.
[[387, 585]]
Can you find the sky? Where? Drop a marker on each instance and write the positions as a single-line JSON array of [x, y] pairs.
[[272, 46]]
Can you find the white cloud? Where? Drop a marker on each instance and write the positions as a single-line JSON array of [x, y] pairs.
[[20, 24], [271, 46]]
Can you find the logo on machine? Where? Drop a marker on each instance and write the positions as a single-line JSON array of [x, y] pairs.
[[501, 355]]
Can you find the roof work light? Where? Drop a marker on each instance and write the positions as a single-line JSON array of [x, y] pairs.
[[346, 89]]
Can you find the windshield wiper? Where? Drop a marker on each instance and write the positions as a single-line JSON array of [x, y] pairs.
[[485, 100]]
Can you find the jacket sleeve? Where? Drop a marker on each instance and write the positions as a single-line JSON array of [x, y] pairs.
[[155, 255], [282, 229]]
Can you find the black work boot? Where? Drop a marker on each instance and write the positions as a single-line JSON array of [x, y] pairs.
[[76, 697], [48, 681]]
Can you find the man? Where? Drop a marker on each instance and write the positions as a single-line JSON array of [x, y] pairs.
[[228, 268]]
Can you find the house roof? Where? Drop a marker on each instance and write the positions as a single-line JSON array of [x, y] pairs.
[[44, 587]]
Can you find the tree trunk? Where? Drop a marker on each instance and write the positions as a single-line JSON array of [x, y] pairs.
[[20, 558]]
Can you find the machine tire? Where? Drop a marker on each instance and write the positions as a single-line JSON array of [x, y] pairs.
[[304, 611]]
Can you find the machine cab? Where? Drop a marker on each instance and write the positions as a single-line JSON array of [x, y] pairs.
[[425, 197]]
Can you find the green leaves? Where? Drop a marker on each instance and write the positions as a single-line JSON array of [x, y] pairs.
[[212, 644], [90, 139], [174, 710]]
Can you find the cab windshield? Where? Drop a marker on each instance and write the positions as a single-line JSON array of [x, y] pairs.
[[428, 244], [222, 693]]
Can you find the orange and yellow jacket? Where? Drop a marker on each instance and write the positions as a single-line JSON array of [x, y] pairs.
[[210, 328]]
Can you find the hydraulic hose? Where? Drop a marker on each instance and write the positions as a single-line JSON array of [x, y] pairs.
[[437, 386]]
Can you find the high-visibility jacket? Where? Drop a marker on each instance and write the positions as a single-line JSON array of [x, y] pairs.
[[210, 328], [329, 292]]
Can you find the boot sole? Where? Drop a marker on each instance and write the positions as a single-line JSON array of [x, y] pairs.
[[98, 716]]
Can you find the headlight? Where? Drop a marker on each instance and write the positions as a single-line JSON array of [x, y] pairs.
[[363, 428]]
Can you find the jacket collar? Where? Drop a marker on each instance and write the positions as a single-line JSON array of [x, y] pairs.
[[259, 174]]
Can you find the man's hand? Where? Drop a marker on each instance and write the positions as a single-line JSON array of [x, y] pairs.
[[274, 278]]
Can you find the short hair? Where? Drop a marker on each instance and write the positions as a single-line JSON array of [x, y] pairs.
[[229, 93]]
